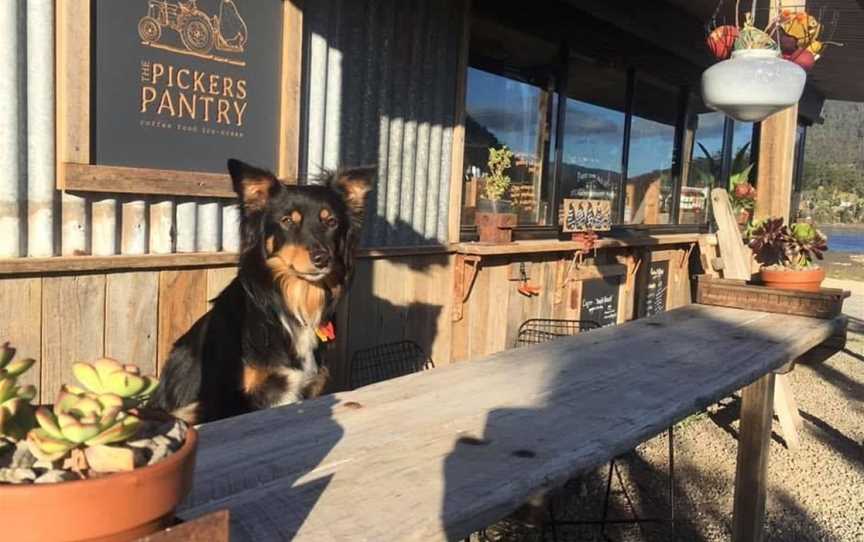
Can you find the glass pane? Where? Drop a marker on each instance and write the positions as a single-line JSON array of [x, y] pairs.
[[742, 151], [501, 111], [648, 194], [593, 133], [702, 169]]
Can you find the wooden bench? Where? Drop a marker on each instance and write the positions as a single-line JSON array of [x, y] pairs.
[[438, 455]]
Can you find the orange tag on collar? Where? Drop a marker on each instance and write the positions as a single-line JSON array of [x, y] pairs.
[[325, 332]]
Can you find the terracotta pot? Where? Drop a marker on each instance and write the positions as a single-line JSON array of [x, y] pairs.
[[495, 227], [808, 280], [117, 507]]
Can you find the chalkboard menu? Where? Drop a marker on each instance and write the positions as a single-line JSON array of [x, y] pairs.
[[600, 300], [186, 84], [658, 285]]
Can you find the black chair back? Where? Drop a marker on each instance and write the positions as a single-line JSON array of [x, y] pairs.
[[541, 330], [386, 361]]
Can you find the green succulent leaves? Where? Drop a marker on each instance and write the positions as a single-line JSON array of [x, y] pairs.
[[80, 418], [100, 411], [110, 376], [794, 247], [16, 414]]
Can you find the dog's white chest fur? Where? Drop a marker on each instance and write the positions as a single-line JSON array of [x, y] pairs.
[[305, 342]]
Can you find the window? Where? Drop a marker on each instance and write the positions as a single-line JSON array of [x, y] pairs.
[[742, 149], [593, 136], [702, 170], [648, 194], [501, 111]]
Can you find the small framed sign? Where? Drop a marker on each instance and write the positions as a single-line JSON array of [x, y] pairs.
[[587, 214]]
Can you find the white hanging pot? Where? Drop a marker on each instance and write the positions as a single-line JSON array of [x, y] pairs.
[[753, 84]]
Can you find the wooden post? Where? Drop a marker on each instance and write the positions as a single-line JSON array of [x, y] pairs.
[[751, 472], [776, 161]]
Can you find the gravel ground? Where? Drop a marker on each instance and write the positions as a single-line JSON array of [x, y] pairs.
[[816, 493]]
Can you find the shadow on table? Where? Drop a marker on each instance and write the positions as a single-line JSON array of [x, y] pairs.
[[519, 451]]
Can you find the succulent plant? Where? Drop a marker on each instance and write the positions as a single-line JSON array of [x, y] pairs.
[[109, 376], [16, 414], [80, 418], [794, 247]]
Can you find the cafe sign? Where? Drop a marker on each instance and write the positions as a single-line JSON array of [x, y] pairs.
[[186, 84]]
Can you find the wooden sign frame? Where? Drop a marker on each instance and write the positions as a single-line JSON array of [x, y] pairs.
[[654, 256], [588, 272], [75, 170]]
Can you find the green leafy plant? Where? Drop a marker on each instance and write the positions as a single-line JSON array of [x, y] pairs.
[[16, 413], [793, 247], [497, 180]]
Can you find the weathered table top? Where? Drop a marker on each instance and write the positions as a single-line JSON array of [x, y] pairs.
[[436, 455]]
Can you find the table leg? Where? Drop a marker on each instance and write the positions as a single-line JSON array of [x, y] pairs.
[[787, 411], [751, 473]]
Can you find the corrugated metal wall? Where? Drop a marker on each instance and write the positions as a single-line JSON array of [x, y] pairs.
[[380, 88]]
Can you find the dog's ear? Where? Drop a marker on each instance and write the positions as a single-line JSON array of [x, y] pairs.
[[254, 186], [353, 185]]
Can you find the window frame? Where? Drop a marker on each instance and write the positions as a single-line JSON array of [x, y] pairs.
[[468, 232]]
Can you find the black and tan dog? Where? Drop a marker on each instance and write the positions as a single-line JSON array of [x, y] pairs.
[[256, 346]]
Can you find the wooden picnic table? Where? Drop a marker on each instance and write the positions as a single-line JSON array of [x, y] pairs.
[[438, 455]]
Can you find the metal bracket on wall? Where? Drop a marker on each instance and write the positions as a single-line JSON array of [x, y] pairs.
[[467, 266]]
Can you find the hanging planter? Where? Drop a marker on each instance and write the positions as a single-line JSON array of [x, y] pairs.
[[761, 72], [753, 84]]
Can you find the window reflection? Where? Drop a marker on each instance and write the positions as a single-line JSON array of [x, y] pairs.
[[502, 111], [593, 135], [702, 171], [648, 194]]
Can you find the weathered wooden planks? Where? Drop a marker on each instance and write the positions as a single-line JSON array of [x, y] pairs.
[[751, 475], [218, 279], [452, 450], [21, 324], [182, 300], [130, 324], [73, 326]]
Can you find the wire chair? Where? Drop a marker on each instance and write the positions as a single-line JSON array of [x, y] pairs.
[[386, 361], [540, 330]]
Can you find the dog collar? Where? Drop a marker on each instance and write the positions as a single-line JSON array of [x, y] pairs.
[[325, 332]]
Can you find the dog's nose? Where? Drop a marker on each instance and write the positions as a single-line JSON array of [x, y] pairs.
[[320, 258]]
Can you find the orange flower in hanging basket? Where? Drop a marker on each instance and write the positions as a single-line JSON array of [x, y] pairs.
[[721, 40]]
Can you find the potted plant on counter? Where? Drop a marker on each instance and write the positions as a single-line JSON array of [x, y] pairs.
[[787, 253], [94, 465], [494, 219]]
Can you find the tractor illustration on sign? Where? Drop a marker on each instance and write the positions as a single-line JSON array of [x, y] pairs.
[[199, 32]]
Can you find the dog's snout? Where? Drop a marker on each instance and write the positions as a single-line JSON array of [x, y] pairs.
[[320, 257]]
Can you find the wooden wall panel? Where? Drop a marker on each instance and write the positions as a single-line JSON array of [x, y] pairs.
[[131, 302], [404, 298], [21, 323], [218, 279], [73, 326], [182, 300]]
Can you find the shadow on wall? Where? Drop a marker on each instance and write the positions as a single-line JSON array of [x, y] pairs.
[[393, 299]]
